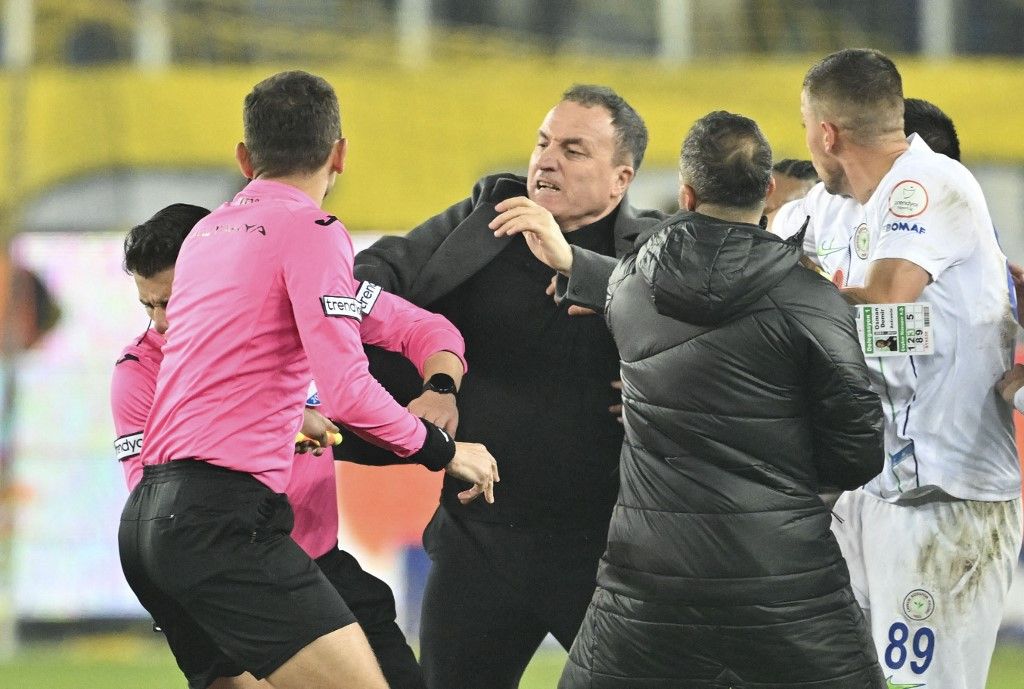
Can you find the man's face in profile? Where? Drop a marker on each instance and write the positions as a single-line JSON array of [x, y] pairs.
[[154, 293], [825, 164], [573, 170], [787, 188]]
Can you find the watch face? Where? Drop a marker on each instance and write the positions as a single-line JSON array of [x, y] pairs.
[[442, 383]]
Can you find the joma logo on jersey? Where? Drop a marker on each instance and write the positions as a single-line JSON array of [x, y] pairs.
[[904, 227], [128, 446], [342, 307]]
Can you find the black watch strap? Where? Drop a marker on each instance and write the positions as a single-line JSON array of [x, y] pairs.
[[441, 383]]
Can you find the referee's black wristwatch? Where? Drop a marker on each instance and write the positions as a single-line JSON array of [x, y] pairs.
[[441, 383]]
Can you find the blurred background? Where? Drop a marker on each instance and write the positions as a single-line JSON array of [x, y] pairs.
[[112, 109]]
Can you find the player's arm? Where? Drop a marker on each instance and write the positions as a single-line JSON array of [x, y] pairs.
[[927, 228], [426, 339], [316, 265], [889, 281], [131, 398], [846, 414]]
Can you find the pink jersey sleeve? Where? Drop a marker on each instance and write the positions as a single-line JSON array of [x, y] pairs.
[[131, 397], [328, 314], [397, 325]]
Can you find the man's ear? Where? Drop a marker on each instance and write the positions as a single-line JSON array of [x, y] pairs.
[[624, 174], [244, 161], [687, 198], [339, 151], [829, 136]]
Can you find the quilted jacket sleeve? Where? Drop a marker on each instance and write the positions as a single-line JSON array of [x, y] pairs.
[[846, 414]]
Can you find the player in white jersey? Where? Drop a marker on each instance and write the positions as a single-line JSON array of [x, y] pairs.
[[932, 541]]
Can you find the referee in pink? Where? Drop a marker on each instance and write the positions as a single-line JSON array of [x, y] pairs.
[[263, 301]]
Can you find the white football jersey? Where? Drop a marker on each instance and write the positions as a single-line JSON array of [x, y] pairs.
[[946, 427]]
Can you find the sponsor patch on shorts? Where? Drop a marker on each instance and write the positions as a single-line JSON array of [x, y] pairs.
[[128, 446], [908, 199], [918, 605], [367, 296], [342, 307]]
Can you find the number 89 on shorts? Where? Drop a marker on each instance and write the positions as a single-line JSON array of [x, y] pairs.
[[917, 647]]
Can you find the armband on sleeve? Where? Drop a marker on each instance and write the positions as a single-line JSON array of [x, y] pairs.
[[438, 449]]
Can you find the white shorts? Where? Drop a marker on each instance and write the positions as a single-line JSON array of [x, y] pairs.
[[932, 578]]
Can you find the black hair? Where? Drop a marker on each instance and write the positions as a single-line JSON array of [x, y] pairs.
[[291, 120], [797, 169], [152, 247], [861, 89], [931, 124], [727, 160], [630, 130]]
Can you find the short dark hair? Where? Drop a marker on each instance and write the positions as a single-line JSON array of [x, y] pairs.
[[153, 246], [630, 130], [291, 120], [860, 89], [727, 160], [797, 169], [934, 126]]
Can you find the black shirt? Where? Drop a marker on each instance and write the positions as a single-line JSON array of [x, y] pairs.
[[537, 392]]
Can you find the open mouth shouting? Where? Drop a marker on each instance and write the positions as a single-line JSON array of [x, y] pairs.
[[544, 186]]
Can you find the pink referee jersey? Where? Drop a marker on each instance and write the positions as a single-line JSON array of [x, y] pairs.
[[131, 398], [262, 283], [311, 489]]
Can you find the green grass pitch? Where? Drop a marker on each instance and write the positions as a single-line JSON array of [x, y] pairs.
[[113, 662]]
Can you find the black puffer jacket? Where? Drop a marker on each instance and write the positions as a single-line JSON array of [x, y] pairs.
[[745, 395]]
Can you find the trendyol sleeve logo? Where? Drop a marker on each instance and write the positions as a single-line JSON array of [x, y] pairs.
[[128, 446], [352, 307]]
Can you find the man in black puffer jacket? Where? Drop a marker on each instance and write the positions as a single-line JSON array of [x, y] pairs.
[[745, 394]]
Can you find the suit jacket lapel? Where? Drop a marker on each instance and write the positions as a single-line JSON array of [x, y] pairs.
[[466, 250]]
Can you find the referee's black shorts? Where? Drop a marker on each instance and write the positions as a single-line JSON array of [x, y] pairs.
[[208, 553]]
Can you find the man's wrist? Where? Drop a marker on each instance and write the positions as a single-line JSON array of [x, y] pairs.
[[441, 383], [438, 448], [566, 267]]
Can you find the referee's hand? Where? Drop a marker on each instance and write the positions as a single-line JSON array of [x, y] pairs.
[[474, 464], [316, 427]]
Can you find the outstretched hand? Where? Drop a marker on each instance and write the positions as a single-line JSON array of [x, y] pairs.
[[474, 464], [520, 215], [318, 428]]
